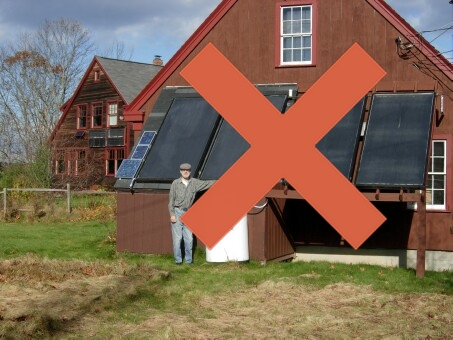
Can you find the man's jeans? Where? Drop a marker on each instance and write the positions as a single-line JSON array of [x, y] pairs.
[[178, 232]]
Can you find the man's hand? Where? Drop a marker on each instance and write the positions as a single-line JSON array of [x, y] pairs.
[[173, 219]]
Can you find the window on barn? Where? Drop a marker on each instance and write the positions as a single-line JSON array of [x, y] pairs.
[[82, 114], [437, 176], [60, 165], [113, 114], [113, 159], [96, 138], [80, 157], [115, 137], [97, 115], [296, 33]]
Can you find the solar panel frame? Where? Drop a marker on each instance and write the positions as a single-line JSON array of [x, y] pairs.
[[397, 141], [228, 145], [184, 136], [129, 167], [340, 144]]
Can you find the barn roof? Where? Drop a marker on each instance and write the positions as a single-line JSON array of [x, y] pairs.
[[380, 6], [128, 77]]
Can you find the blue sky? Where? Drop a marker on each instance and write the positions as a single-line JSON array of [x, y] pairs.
[[150, 27]]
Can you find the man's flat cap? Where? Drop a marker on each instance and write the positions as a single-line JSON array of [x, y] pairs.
[[185, 166]]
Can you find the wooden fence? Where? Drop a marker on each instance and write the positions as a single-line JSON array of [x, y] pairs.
[[67, 193]]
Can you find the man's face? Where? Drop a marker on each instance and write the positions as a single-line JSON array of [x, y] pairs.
[[185, 173]]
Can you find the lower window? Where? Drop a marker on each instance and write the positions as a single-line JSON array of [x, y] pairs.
[[113, 159], [437, 175]]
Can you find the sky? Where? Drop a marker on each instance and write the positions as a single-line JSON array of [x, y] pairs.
[[158, 27]]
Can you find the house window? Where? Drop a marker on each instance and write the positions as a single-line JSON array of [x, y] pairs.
[[96, 138], [113, 114], [70, 162], [437, 176], [60, 165], [97, 75], [296, 33], [115, 137], [82, 116], [97, 115], [113, 160], [80, 157]]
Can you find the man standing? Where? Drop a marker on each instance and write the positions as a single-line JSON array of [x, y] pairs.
[[182, 194]]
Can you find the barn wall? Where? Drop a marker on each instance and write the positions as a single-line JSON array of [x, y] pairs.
[[246, 36], [143, 223]]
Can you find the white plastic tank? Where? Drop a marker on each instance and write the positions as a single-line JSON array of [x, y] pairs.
[[234, 246]]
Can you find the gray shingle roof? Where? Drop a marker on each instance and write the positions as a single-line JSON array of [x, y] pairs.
[[127, 76]]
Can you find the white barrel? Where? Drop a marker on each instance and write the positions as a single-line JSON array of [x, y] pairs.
[[234, 246]]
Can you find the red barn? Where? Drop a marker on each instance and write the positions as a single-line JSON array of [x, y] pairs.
[[394, 145]]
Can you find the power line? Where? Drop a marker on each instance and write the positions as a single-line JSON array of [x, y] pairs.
[[437, 30]]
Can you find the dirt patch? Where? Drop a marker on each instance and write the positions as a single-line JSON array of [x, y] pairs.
[[57, 299]]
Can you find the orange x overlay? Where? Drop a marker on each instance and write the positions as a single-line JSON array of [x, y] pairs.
[[283, 146]]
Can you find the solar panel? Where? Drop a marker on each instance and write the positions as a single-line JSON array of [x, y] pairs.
[[147, 137], [396, 144], [229, 145], [129, 167], [184, 136], [79, 134], [139, 152], [339, 145]]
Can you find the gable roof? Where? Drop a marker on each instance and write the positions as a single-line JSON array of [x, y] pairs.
[[127, 77], [379, 5]]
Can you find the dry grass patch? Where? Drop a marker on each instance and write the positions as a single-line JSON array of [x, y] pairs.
[[281, 310], [119, 300], [42, 298]]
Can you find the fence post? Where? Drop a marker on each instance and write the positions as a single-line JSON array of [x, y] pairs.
[[4, 203], [68, 196]]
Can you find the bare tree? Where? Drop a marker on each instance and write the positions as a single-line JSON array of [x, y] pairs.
[[117, 50], [38, 74]]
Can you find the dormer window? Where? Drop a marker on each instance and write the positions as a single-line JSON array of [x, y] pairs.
[[296, 33]]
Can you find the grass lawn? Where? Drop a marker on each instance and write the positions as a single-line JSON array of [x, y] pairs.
[[65, 280]]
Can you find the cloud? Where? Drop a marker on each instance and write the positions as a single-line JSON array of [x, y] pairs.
[[149, 27], [159, 27]]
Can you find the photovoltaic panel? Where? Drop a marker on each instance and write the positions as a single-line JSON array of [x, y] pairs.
[[139, 152], [184, 136], [339, 145], [129, 167], [147, 137], [396, 144], [229, 145]]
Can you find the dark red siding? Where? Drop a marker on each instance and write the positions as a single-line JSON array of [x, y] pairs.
[[246, 36]]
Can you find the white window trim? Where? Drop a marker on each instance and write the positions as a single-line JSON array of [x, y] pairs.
[[112, 114], [282, 36], [444, 173]]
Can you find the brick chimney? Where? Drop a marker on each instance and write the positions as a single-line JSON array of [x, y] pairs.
[[158, 60]]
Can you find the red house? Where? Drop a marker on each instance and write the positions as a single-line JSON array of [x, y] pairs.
[[92, 138], [395, 145]]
